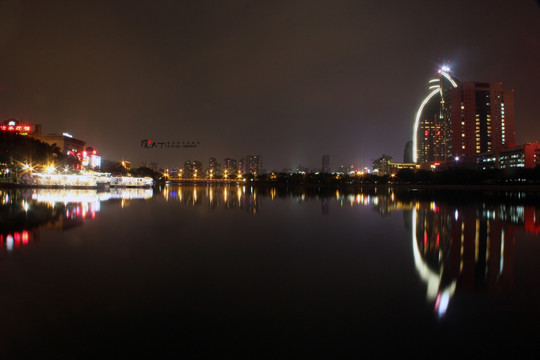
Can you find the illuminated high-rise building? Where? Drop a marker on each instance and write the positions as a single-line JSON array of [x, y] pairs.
[[229, 166], [254, 164], [457, 121], [481, 116], [431, 130]]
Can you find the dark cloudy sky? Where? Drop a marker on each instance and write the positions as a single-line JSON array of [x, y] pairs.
[[289, 80]]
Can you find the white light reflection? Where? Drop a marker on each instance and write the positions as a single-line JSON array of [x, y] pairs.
[[9, 242], [431, 278]]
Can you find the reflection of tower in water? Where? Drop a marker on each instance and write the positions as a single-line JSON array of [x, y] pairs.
[[460, 248]]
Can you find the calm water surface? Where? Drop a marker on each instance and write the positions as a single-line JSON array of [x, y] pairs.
[[236, 271]]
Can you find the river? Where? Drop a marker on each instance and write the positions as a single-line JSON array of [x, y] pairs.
[[268, 272]]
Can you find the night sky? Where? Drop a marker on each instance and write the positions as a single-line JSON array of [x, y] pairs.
[[289, 80]]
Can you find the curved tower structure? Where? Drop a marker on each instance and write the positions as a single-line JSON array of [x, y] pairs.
[[432, 126]]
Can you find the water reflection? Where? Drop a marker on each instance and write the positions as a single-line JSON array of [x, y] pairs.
[[226, 196], [23, 212], [460, 241]]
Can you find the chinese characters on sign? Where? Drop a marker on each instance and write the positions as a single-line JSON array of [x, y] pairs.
[[151, 144], [16, 128]]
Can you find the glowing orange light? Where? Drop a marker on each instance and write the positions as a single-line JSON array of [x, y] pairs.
[[25, 237]]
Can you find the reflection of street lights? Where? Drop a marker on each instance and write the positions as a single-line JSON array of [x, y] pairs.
[[50, 168]]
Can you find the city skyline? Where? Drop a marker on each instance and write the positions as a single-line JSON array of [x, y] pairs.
[[291, 81]]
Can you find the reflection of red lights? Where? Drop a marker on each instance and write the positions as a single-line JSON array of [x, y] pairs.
[[16, 239], [530, 223], [25, 237]]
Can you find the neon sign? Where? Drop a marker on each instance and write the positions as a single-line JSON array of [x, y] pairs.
[[18, 128]]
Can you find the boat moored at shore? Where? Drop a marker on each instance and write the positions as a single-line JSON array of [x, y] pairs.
[[83, 180]]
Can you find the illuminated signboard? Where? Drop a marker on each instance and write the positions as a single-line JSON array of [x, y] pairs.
[[17, 128]]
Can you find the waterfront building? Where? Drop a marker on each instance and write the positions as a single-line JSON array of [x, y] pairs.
[[381, 166], [431, 131], [524, 156], [67, 144], [457, 121], [482, 119]]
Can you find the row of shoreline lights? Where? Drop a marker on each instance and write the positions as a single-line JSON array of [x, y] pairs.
[[226, 175]]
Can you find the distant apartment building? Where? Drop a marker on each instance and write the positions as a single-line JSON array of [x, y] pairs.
[[325, 164], [229, 166], [193, 169], [213, 166], [381, 166], [254, 164], [251, 164], [242, 166]]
